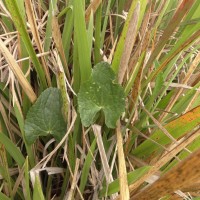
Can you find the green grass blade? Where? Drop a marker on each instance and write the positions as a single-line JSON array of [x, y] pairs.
[[120, 47], [133, 76], [131, 176], [105, 23], [27, 181], [37, 190], [4, 197], [97, 35], [90, 31], [20, 120], [76, 70], [82, 40], [48, 35], [12, 149], [67, 31], [86, 167]]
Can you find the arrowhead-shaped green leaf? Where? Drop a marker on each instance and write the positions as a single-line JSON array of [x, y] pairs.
[[45, 117], [101, 92]]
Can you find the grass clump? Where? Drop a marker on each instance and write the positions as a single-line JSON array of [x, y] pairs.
[[99, 98]]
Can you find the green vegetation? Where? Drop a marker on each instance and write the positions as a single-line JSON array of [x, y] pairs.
[[98, 99]]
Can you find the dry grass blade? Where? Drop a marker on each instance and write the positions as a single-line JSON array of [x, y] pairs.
[[17, 72], [74, 181], [188, 42], [192, 101], [124, 190], [171, 27], [152, 46], [17, 182], [107, 171], [34, 30], [6, 120], [58, 41], [128, 44], [92, 8], [177, 178], [173, 100], [166, 158], [159, 125]]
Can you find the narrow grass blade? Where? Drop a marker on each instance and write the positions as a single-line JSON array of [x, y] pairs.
[[20, 120], [177, 128], [131, 176], [181, 45], [67, 32], [48, 35], [65, 98], [37, 190], [86, 167], [128, 43], [12, 149], [173, 24], [27, 181], [107, 171], [17, 72], [76, 69], [4, 170], [194, 144], [34, 29], [120, 47], [90, 32], [82, 40], [58, 41], [97, 35], [4, 197], [92, 9], [124, 191], [105, 23], [19, 23]]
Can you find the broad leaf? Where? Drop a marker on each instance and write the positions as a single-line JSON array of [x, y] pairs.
[[45, 117], [101, 93]]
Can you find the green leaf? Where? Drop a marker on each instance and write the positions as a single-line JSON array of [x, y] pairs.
[[45, 117], [101, 93], [132, 177]]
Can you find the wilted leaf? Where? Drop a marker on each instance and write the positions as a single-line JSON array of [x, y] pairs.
[[45, 117], [101, 92]]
